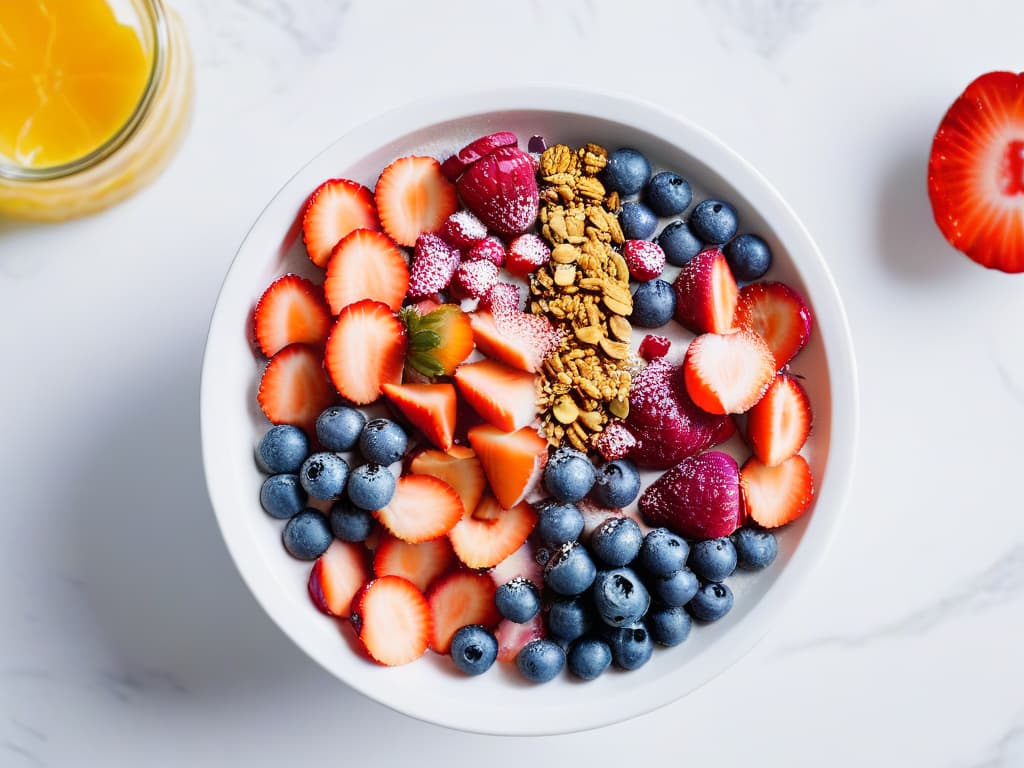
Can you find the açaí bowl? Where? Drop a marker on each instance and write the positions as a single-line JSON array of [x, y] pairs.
[[500, 702]]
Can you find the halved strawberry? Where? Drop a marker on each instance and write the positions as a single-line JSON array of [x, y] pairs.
[[293, 388], [413, 197], [514, 338], [774, 496], [336, 577], [459, 468], [505, 396], [976, 172], [291, 310], [706, 293], [458, 599], [777, 314], [777, 427], [512, 461], [422, 508], [439, 339], [512, 636], [727, 373], [335, 208], [392, 619], [366, 349], [366, 264], [419, 563], [428, 407], [492, 533]]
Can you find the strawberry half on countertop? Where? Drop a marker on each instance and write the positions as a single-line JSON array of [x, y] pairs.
[[976, 172]]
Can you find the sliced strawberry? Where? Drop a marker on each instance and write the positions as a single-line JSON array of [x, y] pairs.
[[512, 636], [512, 461], [419, 563], [777, 314], [366, 265], [521, 563], [492, 533], [413, 197], [439, 339], [976, 172], [469, 154], [392, 620], [422, 508], [777, 427], [293, 388], [428, 407], [459, 468], [291, 311], [336, 577], [459, 599], [518, 339], [727, 373], [505, 396], [336, 207], [502, 299], [774, 496], [706, 293], [366, 349]]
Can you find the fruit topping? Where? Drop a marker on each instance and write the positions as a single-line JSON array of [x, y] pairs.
[[540, 661], [490, 249], [512, 636], [422, 508], [521, 564], [699, 498], [339, 426], [413, 197], [756, 548], [627, 171], [365, 350], [714, 221], [474, 649], [728, 373], [774, 496], [777, 314], [502, 299], [518, 600], [392, 620], [336, 577], [526, 253], [459, 468], [457, 600], [433, 265], [654, 304], [492, 532], [323, 475], [366, 264], [351, 523], [282, 496], [668, 194], [420, 563], [777, 427], [713, 559], [512, 461], [336, 208], [438, 340], [638, 222], [307, 535], [711, 602], [474, 278], [616, 486], [282, 448], [706, 293], [506, 397], [501, 189], [644, 259], [615, 442], [652, 346], [293, 388], [469, 154], [463, 230], [569, 475], [370, 486], [519, 340], [749, 257], [291, 311], [383, 442], [679, 243], [428, 407]]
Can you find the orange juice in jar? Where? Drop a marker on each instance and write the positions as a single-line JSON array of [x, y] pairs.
[[95, 96]]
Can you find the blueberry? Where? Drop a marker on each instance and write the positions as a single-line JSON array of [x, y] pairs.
[[558, 523], [749, 257], [669, 626], [282, 496], [668, 193], [307, 535], [569, 475], [616, 541], [383, 442], [626, 172], [620, 597], [756, 548], [282, 449], [654, 304], [540, 660], [589, 657], [712, 559], [570, 617], [474, 649], [570, 571], [349, 522], [631, 646], [663, 553], [371, 486], [617, 484], [339, 426], [517, 600], [711, 602], [323, 475], [714, 221], [679, 243], [638, 222], [678, 588]]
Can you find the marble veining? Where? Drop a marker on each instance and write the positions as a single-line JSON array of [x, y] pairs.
[[1006, 752], [767, 25]]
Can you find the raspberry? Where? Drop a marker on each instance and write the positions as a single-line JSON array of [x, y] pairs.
[[433, 265], [654, 346], [475, 278], [489, 248], [527, 253], [463, 230], [644, 259], [502, 299]]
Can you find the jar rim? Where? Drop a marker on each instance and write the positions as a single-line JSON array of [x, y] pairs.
[[154, 20]]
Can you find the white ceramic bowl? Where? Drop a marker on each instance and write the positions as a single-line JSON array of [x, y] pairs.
[[499, 702]]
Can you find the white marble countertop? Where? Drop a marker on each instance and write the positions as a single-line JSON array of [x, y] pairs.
[[127, 636]]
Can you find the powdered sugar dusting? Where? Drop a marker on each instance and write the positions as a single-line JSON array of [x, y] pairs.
[[527, 253], [463, 230], [433, 265], [645, 260], [535, 329], [502, 299], [615, 442], [489, 248], [475, 278]]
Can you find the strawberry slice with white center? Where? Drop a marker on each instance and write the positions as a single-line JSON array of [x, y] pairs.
[[419, 563], [512, 636], [504, 396], [413, 197], [422, 508], [522, 563], [777, 314], [458, 467], [392, 620], [727, 373], [366, 264], [459, 599], [976, 172], [774, 496], [428, 407], [336, 577], [291, 311], [492, 533], [293, 388], [706, 293], [512, 461], [777, 427], [336, 207], [365, 350]]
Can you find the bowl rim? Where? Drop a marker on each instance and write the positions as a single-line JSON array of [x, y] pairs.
[[843, 380]]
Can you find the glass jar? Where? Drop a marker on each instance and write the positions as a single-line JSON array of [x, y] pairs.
[[135, 153]]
